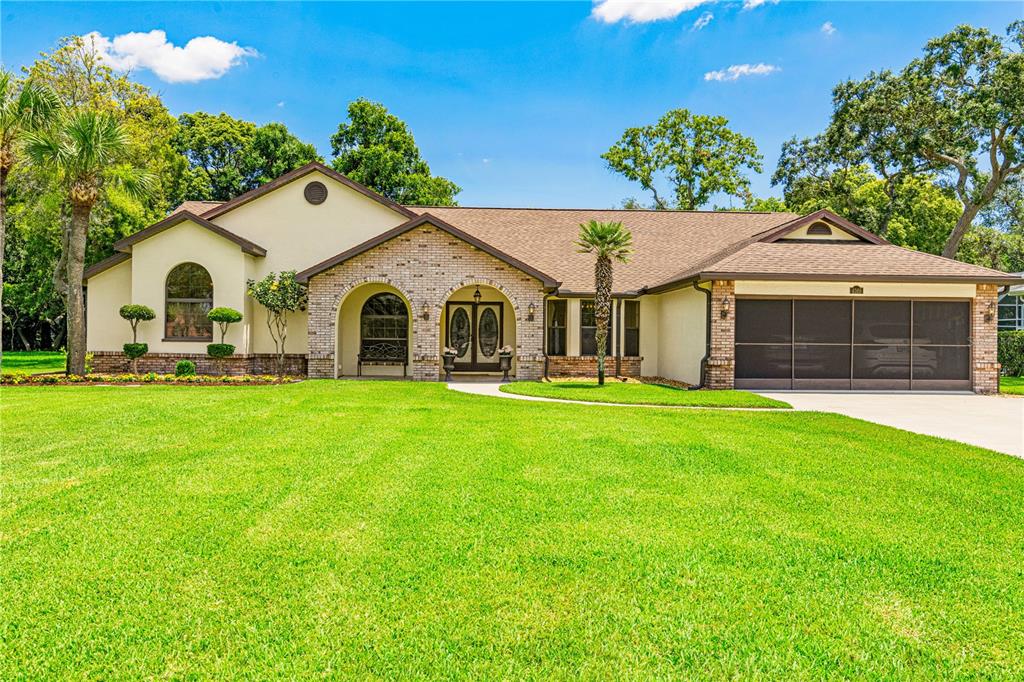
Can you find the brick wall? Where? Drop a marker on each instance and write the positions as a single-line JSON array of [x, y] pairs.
[[722, 363], [115, 362], [426, 265], [985, 339], [586, 366]]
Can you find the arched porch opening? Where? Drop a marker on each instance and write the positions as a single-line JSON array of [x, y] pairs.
[[375, 322], [477, 320]]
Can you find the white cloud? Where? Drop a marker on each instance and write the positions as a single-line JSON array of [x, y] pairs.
[[200, 59], [702, 21], [280, 104], [737, 71], [751, 4], [827, 28], [642, 11]]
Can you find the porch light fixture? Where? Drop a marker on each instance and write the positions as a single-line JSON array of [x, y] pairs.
[[530, 311], [425, 312], [726, 303], [477, 295], [990, 312]]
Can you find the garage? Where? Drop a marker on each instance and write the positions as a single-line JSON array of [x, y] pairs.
[[853, 344]]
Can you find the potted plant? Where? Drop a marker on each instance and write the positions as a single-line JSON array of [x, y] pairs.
[[448, 355], [505, 361], [135, 313]]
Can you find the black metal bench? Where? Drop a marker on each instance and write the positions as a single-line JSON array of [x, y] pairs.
[[382, 353]]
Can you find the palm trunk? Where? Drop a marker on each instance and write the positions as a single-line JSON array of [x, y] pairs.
[[76, 295], [3, 234], [602, 309]]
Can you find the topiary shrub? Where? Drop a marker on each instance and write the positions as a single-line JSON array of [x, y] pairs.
[[220, 350], [185, 368], [134, 351], [1011, 353], [136, 313], [223, 317]]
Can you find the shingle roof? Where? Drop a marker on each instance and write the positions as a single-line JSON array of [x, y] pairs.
[[844, 260], [196, 207], [664, 242]]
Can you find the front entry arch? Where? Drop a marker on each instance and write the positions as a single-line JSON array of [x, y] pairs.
[[374, 332], [477, 322]]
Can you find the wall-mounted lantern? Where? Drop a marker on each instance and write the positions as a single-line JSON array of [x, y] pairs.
[[425, 312], [530, 311], [726, 304], [990, 312], [476, 295]]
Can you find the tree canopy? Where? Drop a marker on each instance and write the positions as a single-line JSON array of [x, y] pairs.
[[376, 148], [696, 156]]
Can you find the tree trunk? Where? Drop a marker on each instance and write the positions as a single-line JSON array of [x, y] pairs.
[[3, 234], [76, 295], [602, 309], [962, 226]]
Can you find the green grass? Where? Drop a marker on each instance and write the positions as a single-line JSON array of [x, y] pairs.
[[638, 394], [1013, 385], [396, 530], [33, 361]]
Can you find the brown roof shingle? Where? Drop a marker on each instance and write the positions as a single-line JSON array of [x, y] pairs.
[[196, 207], [664, 242]]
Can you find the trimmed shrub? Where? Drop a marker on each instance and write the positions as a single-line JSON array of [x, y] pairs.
[[136, 313], [185, 368], [134, 351], [223, 317], [220, 350], [1011, 353]]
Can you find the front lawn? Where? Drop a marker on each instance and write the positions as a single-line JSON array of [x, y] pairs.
[[396, 530], [33, 361], [638, 394], [1013, 385]]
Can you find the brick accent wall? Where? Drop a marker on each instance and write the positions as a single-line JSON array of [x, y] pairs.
[[427, 265], [586, 366], [115, 362], [722, 363], [985, 339]]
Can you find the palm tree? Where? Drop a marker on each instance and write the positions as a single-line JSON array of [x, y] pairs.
[[607, 241], [24, 107], [88, 151]]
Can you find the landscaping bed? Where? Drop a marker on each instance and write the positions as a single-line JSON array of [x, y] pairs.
[[637, 393], [21, 379]]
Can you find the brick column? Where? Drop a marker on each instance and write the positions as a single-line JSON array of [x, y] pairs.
[[722, 363], [320, 328], [984, 339]]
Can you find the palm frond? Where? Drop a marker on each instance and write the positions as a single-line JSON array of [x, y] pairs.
[[606, 239], [134, 182]]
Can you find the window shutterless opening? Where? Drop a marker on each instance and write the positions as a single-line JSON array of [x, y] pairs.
[[557, 327]]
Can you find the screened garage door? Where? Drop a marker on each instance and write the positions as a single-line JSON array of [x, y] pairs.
[[853, 344]]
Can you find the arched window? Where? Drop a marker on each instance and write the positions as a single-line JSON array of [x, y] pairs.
[[384, 326], [189, 299]]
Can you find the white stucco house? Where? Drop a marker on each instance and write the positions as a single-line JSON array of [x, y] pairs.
[[720, 299]]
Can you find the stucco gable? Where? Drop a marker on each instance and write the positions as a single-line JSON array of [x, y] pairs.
[[179, 218]]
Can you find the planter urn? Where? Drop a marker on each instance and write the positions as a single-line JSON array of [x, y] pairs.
[[505, 364], [448, 363]]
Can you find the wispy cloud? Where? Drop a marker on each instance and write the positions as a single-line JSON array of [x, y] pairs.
[[702, 21], [201, 58], [280, 105], [737, 71], [828, 28], [751, 4], [642, 11]]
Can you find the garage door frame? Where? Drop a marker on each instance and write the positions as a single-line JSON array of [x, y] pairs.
[[851, 383]]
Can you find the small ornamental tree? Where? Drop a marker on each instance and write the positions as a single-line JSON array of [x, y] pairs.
[[136, 313], [608, 242], [223, 317], [280, 293]]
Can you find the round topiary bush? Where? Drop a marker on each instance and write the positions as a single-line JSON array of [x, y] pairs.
[[185, 368], [220, 350], [134, 351]]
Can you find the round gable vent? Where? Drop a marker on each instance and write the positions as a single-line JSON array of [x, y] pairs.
[[315, 193]]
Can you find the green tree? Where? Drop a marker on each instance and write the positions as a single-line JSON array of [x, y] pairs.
[[375, 148], [280, 294], [228, 156], [697, 156], [87, 152], [956, 112], [24, 107], [608, 242]]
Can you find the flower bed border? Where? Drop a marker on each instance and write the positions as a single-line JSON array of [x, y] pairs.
[[21, 379]]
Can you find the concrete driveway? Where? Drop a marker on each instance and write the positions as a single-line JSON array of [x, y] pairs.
[[994, 422]]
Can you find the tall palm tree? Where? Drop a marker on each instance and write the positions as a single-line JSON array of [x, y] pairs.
[[608, 241], [88, 151], [24, 107]]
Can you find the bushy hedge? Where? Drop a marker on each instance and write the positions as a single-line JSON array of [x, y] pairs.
[[21, 378], [220, 350], [135, 350], [1011, 353], [185, 368]]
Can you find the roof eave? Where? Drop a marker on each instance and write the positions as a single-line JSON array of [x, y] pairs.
[[167, 223]]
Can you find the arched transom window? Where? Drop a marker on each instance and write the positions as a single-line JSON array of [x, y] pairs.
[[189, 299], [384, 326]]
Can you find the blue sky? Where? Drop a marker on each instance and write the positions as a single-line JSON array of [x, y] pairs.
[[513, 101]]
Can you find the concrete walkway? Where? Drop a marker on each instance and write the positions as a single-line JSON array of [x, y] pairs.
[[993, 422]]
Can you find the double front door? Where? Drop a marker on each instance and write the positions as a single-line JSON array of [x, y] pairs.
[[474, 330]]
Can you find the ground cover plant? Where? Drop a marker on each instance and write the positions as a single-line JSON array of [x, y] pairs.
[[635, 393], [396, 529], [1011, 385], [33, 361]]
